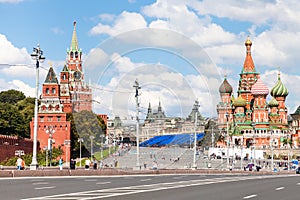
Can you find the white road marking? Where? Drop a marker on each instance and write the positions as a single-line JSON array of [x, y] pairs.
[[280, 188], [90, 180], [298, 183], [102, 183], [40, 183], [43, 188], [250, 196], [148, 179]]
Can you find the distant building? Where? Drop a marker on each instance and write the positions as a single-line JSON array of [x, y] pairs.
[[156, 123], [295, 123], [248, 118]]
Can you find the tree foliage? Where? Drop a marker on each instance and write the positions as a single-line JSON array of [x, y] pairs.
[[11, 96], [86, 124], [16, 112]]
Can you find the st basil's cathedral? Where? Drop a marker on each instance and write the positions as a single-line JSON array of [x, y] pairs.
[[248, 119]]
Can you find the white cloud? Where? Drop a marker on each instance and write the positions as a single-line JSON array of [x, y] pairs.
[[21, 86], [17, 85], [126, 21], [11, 54]]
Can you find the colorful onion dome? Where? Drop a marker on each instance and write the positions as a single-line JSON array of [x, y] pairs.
[[259, 88], [239, 102], [225, 87], [279, 90], [273, 102]]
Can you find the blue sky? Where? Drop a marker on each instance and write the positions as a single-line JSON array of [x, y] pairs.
[[178, 50]]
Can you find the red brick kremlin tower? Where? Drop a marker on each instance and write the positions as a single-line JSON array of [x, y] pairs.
[[72, 94], [249, 118]]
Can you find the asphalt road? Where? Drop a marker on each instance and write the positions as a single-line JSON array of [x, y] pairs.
[[146, 187]]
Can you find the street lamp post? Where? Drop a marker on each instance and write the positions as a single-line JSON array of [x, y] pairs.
[[46, 152], [37, 55], [80, 140], [254, 159], [92, 153], [50, 131], [102, 136], [67, 143], [195, 137], [227, 136], [137, 87], [272, 150], [242, 146]]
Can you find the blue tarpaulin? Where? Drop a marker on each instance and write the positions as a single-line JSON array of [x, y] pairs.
[[173, 139]]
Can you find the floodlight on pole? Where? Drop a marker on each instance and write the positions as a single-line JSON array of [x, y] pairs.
[[36, 55]]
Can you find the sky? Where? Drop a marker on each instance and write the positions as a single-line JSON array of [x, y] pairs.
[[178, 51]]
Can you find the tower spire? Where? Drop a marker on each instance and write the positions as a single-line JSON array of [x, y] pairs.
[[248, 64], [74, 42]]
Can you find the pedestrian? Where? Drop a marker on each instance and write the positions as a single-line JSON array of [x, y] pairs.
[[95, 161], [19, 163], [60, 163], [87, 163], [23, 165]]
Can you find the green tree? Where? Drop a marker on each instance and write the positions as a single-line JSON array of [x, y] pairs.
[[26, 108], [83, 125], [11, 120], [11, 96]]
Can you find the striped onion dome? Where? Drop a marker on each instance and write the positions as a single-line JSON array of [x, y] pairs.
[[225, 87], [273, 102], [239, 102], [279, 90], [259, 88]]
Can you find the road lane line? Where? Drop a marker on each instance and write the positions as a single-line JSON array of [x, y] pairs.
[[298, 183], [280, 188], [40, 183], [102, 183], [148, 179], [43, 188], [250, 196]]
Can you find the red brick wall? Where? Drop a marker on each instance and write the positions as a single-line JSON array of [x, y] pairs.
[[9, 144]]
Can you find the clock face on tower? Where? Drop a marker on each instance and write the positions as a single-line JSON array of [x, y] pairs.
[[77, 75]]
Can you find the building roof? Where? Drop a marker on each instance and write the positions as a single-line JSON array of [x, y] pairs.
[[225, 87], [51, 76], [248, 63], [279, 90], [259, 88], [273, 103], [297, 112], [239, 102], [74, 42]]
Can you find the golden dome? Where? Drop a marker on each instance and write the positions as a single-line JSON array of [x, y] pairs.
[[248, 41]]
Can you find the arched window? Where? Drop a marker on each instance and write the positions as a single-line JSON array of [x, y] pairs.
[[53, 90], [47, 90]]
